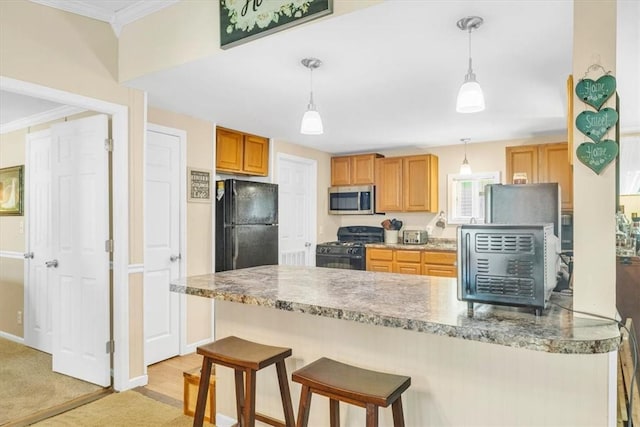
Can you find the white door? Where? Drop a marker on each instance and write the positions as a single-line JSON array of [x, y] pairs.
[[162, 256], [37, 290], [80, 263], [297, 192]]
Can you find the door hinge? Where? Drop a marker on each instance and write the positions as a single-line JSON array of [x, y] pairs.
[[108, 144], [108, 245], [111, 346]]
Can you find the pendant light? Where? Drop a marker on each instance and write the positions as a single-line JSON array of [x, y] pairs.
[[470, 96], [311, 121], [465, 167]]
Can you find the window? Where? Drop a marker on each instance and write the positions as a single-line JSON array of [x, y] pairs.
[[466, 196]]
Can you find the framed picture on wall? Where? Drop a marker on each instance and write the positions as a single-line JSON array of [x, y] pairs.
[[199, 185], [12, 191], [246, 20]]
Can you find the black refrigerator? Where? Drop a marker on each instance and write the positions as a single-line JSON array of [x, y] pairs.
[[246, 224]]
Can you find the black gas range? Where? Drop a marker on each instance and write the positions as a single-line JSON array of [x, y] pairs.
[[349, 251]]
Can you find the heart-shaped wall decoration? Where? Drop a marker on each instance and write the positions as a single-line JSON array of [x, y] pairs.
[[596, 156], [596, 93], [596, 124]]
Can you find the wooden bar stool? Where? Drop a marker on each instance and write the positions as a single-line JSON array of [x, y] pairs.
[[345, 383], [246, 358]]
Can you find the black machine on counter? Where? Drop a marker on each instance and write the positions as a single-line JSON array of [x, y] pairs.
[[507, 264], [246, 224], [514, 259]]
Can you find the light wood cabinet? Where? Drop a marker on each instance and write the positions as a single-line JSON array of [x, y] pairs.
[[443, 264], [407, 184], [404, 261], [380, 260], [353, 170], [241, 153], [543, 163], [407, 262]]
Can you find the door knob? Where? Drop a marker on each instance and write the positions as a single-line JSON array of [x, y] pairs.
[[28, 255], [53, 263], [174, 258], [307, 244]]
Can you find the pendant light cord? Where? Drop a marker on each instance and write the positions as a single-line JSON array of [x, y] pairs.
[[470, 67], [311, 105]]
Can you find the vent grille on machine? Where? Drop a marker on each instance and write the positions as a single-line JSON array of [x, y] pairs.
[[504, 243], [508, 286]]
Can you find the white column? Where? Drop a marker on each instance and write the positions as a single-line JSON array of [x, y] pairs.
[[594, 42]]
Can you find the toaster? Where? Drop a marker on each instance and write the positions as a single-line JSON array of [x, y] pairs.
[[414, 237]]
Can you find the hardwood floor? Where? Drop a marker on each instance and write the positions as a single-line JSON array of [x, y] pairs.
[[166, 377]]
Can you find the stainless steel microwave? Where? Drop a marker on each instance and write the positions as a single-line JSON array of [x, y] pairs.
[[352, 200]]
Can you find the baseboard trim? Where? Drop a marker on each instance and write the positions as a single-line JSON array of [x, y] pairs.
[[224, 421], [140, 381], [191, 348], [11, 337]]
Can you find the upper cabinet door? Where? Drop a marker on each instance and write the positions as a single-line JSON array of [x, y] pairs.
[[340, 170], [389, 184], [228, 150], [520, 159], [256, 154], [554, 167], [363, 169], [420, 183]]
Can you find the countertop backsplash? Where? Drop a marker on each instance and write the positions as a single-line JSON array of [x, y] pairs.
[[411, 221]]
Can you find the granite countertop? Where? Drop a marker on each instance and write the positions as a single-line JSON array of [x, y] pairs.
[[418, 303], [433, 244]]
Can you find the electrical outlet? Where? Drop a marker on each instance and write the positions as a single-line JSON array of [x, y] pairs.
[[19, 317], [21, 227]]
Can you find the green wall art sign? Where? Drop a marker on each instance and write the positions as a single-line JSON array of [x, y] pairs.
[[245, 20], [596, 93], [596, 124], [596, 156]]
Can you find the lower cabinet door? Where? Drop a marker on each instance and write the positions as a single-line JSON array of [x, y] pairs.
[[439, 270], [407, 268], [380, 266]]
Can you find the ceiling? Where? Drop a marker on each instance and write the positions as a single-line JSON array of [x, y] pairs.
[[391, 73]]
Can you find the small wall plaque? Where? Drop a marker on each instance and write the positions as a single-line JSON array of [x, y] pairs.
[[596, 93], [199, 185], [596, 156], [596, 124]]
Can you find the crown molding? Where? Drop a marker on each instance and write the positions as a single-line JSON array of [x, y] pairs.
[[117, 19], [40, 118]]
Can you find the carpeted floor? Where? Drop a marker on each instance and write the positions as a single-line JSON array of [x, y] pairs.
[[27, 384], [129, 408]]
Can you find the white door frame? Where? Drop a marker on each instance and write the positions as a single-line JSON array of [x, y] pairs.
[[313, 184], [182, 136], [120, 216]]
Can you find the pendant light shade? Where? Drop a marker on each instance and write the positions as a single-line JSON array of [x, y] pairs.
[[311, 121], [465, 167], [470, 96]]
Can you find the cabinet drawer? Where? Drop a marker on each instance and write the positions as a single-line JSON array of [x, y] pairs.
[[380, 254], [380, 266], [407, 268], [408, 256], [439, 270], [448, 258]]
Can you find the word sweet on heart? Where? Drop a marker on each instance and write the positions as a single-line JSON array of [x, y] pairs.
[[596, 124], [597, 156], [596, 93]]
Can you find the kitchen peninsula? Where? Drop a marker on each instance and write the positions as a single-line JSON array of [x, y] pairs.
[[504, 366]]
